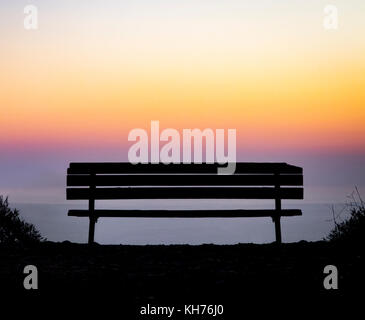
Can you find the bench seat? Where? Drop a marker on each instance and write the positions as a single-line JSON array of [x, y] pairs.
[[223, 213]]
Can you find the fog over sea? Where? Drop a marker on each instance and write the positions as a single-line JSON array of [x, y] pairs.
[[55, 225]]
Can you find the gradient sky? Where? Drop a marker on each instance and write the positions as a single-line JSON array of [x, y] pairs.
[[94, 70]]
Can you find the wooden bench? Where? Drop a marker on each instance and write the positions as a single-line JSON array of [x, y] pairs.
[[108, 181]]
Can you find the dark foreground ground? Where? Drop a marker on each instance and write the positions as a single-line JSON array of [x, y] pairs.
[[180, 274]]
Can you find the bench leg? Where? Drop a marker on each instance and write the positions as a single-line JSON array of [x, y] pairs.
[[276, 218], [277, 229], [91, 230], [91, 211]]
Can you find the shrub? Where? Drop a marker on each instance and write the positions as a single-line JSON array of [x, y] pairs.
[[13, 229], [352, 230]]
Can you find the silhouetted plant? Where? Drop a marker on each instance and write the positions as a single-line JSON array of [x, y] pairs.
[[352, 229], [13, 229]]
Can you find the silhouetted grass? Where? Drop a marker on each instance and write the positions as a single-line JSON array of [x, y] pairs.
[[13, 229], [351, 230]]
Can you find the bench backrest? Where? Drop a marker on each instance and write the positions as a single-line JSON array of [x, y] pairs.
[[112, 180]]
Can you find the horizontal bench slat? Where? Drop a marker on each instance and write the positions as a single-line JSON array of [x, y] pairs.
[[184, 193], [185, 213], [126, 167], [185, 180]]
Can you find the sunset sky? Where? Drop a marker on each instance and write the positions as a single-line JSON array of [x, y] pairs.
[[72, 89]]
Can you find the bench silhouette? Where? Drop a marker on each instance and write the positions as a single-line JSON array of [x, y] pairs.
[[109, 181]]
